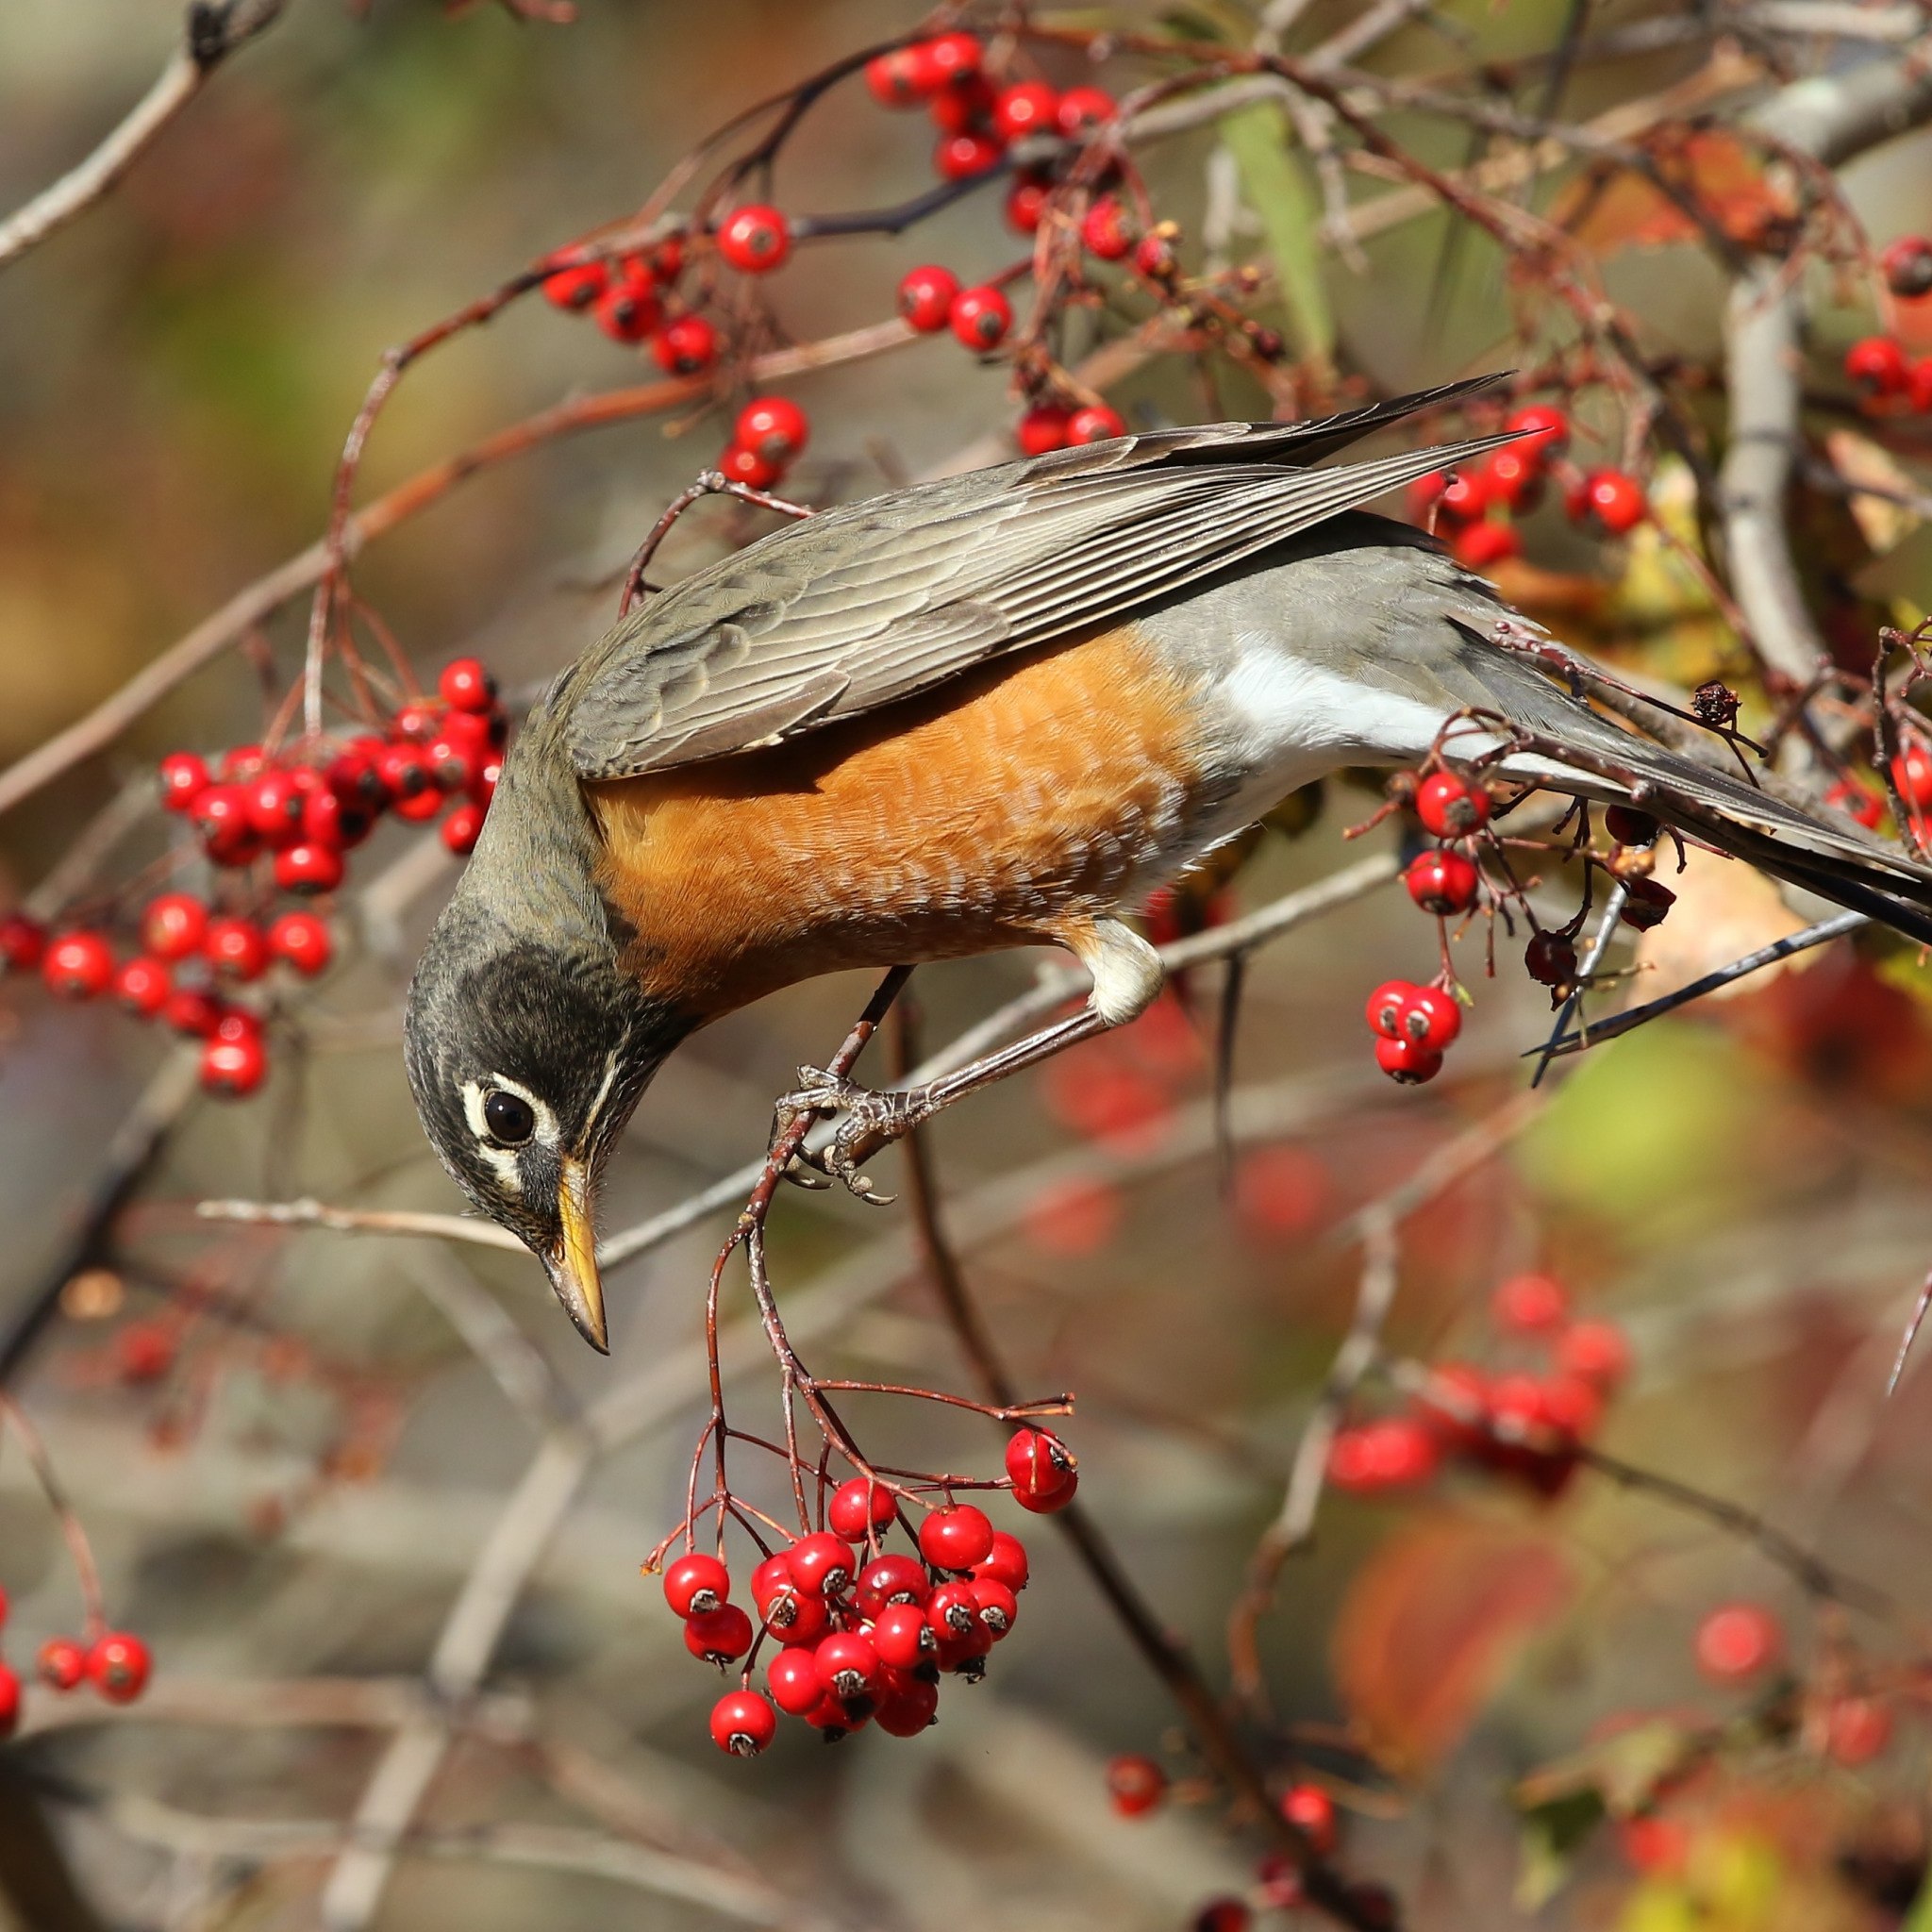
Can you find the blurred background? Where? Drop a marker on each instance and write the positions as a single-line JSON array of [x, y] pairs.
[[288, 1447]]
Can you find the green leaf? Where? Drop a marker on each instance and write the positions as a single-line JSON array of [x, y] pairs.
[[1280, 191]]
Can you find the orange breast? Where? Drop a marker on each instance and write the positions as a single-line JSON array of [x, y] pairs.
[[1009, 804]]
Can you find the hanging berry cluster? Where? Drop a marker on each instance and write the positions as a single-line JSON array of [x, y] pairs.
[[269, 825], [1479, 506], [1887, 378], [854, 1633], [1524, 1419]]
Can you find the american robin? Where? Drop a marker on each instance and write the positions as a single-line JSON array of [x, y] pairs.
[[982, 712]]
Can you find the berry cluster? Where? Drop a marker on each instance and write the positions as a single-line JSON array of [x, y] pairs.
[[1525, 1423], [1878, 366], [115, 1663], [1479, 506], [856, 1644], [271, 824]]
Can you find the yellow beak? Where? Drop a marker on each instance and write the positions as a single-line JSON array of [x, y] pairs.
[[573, 1263]]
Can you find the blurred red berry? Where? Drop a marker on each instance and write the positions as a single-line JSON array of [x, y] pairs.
[[1482, 546], [1029, 107], [1906, 266], [1223, 1915], [1857, 802], [144, 1351], [1311, 1811], [301, 941], [576, 288], [1083, 108], [241, 762], [1135, 1785], [629, 310], [952, 57], [955, 1538], [1042, 429], [22, 942], [754, 238], [1857, 1730], [1155, 255], [1026, 204], [184, 778], [307, 867], [926, 295], [1393, 1451], [746, 466], [959, 157], [686, 345], [221, 817], [980, 317], [961, 105], [1071, 1218], [1877, 365], [62, 1663], [1096, 425], [1514, 476], [142, 986], [1451, 805], [1442, 882], [1654, 1844], [743, 1723], [1597, 1353], [77, 966], [463, 827], [1615, 500], [233, 1068], [174, 925], [1545, 430], [9, 1702], [192, 1013], [1529, 1304], [1738, 1641], [1911, 772], [1106, 230], [1464, 496], [237, 948], [901, 78]]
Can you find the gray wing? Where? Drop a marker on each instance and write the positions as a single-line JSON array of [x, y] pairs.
[[875, 601]]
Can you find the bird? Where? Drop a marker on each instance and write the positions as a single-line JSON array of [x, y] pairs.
[[991, 710]]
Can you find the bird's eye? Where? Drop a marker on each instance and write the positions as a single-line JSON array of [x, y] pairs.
[[510, 1119]]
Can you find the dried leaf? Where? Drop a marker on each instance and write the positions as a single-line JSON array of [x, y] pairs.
[[1430, 1625], [1710, 168], [1723, 911], [1863, 463]]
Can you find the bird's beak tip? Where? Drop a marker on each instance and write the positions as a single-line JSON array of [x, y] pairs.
[[573, 1263]]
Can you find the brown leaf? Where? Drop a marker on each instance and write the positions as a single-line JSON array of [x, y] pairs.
[[1711, 169], [1430, 1625]]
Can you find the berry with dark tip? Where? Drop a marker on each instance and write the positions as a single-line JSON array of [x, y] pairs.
[[118, 1665], [980, 317], [1450, 805], [142, 985], [1408, 1063], [62, 1663], [821, 1564], [686, 345], [184, 778], [720, 1635], [696, 1583], [743, 1723], [955, 1538], [775, 426], [233, 1068], [77, 966], [174, 925], [1443, 883], [1877, 365], [926, 297], [754, 238]]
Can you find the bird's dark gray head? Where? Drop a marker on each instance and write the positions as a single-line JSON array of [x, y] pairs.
[[527, 1044]]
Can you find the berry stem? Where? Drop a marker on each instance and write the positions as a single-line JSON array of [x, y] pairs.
[[81, 1553]]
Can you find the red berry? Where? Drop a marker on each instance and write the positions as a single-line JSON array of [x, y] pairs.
[[903, 1637], [754, 238], [1029, 107], [463, 827], [901, 78], [926, 297], [628, 310], [1597, 1353], [887, 1580], [1042, 429], [696, 1583], [1857, 1730], [453, 761], [836, 1720], [1464, 497], [1855, 801], [955, 1538], [746, 466], [487, 774], [1026, 204], [847, 1664], [952, 1610], [77, 966], [1450, 805], [980, 317], [1223, 1915], [1408, 1063], [1550, 958], [1107, 231], [1431, 1020], [144, 1351], [466, 685], [1043, 1475], [1424, 493], [1919, 387], [233, 1068], [184, 778], [959, 157], [821, 1564], [1311, 1811], [220, 816], [1654, 1844], [743, 1723], [1135, 1784], [1482, 546], [908, 1707], [1737, 1642], [9, 1702], [792, 1677], [142, 986], [357, 780], [999, 1609], [118, 1665], [1877, 365], [1386, 1005], [1571, 1408], [409, 780], [576, 288], [952, 57], [1083, 108], [686, 345], [720, 1635], [858, 1506], [192, 1013], [774, 426], [274, 807], [1545, 432], [174, 925], [307, 867], [1646, 903], [1097, 424], [1529, 1304], [1615, 500], [237, 948], [1005, 1563], [1155, 255], [1911, 772], [62, 1663], [416, 722], [1514, 475], [1394, 1452], [22, 942], [961, 105], [1907, 265], [1442, 882]]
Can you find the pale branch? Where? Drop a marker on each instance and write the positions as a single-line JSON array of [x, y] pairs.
[[1830, 118], [212, 31]]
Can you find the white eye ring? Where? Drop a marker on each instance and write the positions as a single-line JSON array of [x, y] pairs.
[[476, 1093]]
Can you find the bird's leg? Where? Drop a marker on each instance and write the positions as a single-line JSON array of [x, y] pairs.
[[1126, 976]]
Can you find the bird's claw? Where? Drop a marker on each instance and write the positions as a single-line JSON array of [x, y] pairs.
[[869, 1120]]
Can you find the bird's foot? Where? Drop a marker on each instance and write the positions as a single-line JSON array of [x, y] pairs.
[[868, 1121]]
